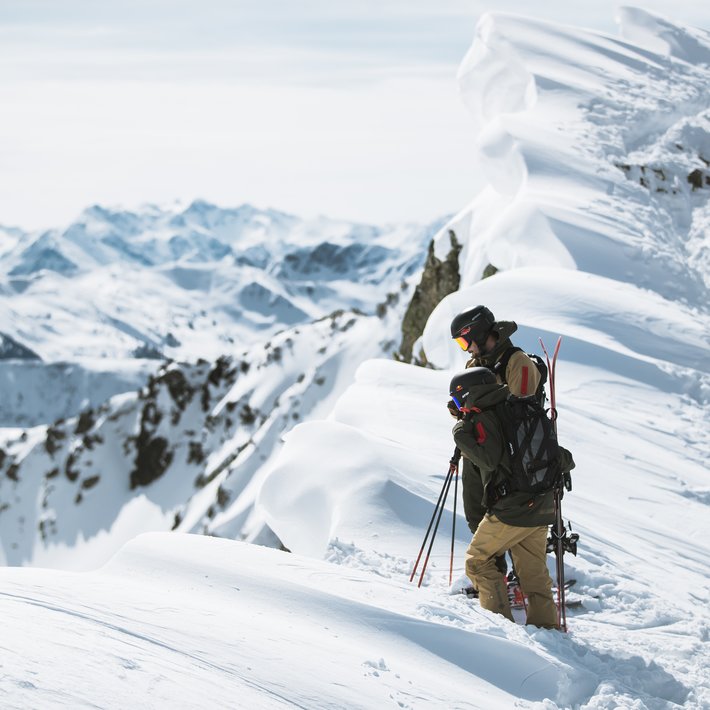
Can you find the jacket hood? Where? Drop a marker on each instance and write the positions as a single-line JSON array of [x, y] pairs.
[[483, 396], [504, 329]]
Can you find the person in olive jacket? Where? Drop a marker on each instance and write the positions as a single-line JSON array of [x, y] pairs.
[[487, 341], [510, 520]]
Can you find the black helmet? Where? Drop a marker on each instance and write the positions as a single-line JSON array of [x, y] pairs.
[[462, 383], [472, 325]]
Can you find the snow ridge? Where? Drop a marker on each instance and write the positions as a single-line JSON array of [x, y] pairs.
[[595, 214]]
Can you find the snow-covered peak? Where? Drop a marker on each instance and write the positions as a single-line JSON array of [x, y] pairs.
[[662, 36], [120, 282], [596, 153]]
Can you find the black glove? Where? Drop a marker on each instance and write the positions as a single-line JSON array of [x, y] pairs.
[[502, 564], [453, 409]]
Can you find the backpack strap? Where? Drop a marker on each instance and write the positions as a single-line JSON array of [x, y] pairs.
[[502, 365]]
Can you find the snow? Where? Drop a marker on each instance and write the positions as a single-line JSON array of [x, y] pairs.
[[589, 211], [194, 282], [370, 638], [37, 393]]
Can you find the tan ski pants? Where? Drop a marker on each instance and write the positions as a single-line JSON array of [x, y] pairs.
[[527, 548]]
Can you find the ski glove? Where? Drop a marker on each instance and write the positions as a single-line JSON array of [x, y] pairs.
[[454, 410]]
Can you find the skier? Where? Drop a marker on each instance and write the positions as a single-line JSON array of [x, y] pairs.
[[510, 520], [488, 342]]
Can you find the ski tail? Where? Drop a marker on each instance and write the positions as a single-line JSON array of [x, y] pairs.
[[558, 526]]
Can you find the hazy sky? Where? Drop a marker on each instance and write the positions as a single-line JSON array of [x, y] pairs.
[[349, 109]]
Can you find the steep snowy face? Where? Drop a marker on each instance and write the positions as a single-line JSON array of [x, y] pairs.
[[193, 282], [595, 151], [186, 452]]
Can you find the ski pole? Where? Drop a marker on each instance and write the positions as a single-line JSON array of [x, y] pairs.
[[454, 467], [431, 522], [453, 524]]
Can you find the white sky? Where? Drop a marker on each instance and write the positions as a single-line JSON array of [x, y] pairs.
[[349, 109]]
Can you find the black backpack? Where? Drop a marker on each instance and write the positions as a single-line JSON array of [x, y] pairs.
[[502, 365], [532, 444]]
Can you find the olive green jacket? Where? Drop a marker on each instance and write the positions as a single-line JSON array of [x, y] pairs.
[[486, 465]]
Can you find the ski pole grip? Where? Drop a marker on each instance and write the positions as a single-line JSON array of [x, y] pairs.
[[456, 457]]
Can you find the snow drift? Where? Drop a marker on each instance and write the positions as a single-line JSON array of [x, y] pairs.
[[595, 213]]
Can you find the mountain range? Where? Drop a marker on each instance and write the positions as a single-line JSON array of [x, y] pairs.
[[154, 358], [591, 225]]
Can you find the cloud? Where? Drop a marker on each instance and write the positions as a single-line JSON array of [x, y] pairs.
[[314, 106]]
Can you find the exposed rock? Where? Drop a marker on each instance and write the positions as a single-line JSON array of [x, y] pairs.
[[222, 370], [90, 482], [10, 349], [55, 435], [223, 497], [247, 415], [196, 453], [146, 351], [489, 271], [85, 422], [69, 471], [439, 279], [152, 459]]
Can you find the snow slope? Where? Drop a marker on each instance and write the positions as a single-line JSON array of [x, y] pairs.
[[186, 452], [188, 621], [37, 393], [597, 221]]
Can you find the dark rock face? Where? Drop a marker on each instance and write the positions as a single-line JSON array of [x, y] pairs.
[[152, 459], [10, 349], [439, 279], [146, 351], [332, 261]]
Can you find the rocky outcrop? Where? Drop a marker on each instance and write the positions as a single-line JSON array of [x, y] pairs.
[[439, 279], [10, 349]]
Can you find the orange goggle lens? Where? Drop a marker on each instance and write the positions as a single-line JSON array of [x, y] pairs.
[[462, 342]]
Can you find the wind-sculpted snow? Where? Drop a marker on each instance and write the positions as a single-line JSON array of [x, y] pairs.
[[594, 210], [359, 491], [579, 137], [185, 621]]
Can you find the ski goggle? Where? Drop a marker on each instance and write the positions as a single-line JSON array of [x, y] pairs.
[[464, 343], [456, 402]]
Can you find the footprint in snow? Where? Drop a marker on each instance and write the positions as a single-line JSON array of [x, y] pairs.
[[374, 667]]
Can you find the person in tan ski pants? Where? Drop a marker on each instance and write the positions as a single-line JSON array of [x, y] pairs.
[[511, 520], [488, 343]]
